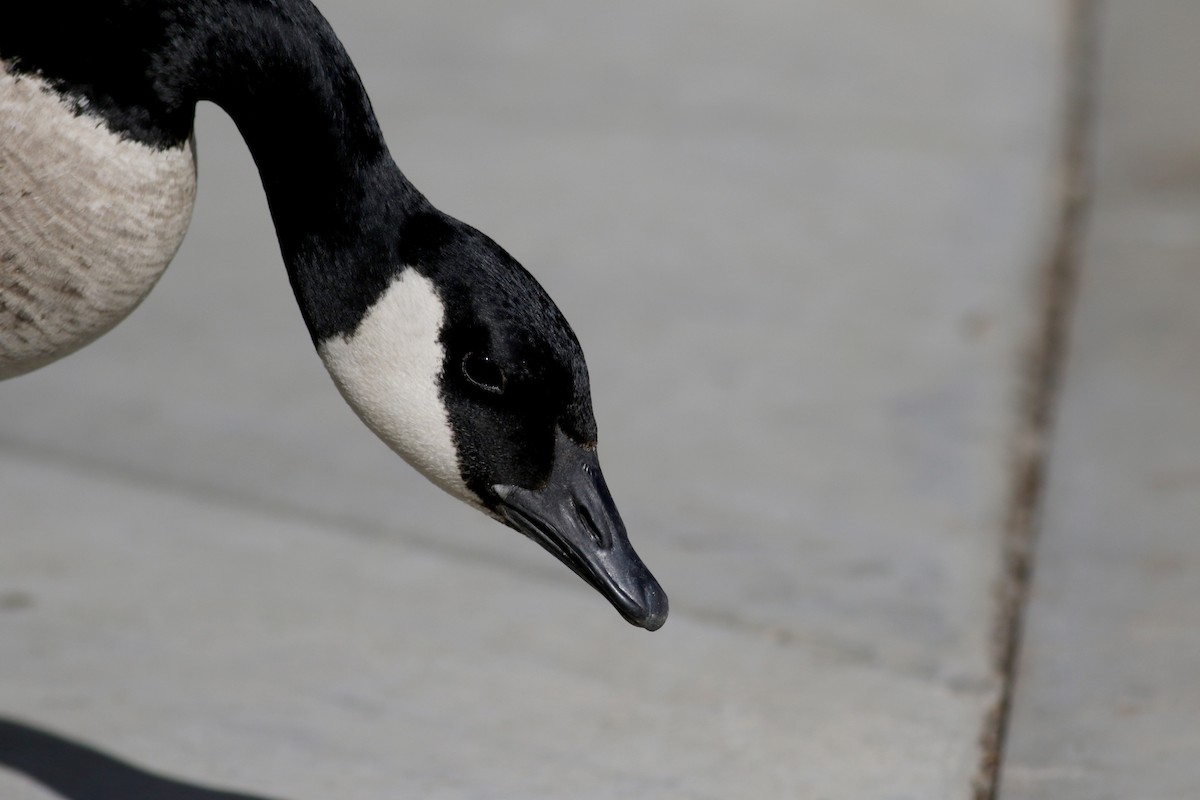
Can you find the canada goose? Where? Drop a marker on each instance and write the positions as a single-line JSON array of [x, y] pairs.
[[437, 338]]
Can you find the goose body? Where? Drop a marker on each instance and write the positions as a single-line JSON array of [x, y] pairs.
[[88, 222], [438, 339]]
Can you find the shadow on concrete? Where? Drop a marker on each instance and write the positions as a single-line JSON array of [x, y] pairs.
[[77, 772]]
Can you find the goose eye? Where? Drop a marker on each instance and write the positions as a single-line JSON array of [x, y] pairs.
[[484, 373]]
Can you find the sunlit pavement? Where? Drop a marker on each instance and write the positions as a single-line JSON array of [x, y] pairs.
[[802, 245]]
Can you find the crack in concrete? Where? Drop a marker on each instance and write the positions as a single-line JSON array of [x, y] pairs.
[[89, 466], [1044, 365]]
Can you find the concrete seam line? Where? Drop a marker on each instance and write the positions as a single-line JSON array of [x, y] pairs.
[[1043, 363]]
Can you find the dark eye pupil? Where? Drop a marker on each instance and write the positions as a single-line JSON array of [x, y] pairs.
[[483, 372]]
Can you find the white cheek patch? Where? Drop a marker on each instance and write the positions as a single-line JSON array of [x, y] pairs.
[[388, 371]]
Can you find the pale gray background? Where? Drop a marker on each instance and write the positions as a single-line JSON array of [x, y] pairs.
[[801, 243]]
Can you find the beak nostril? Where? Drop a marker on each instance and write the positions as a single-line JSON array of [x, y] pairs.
[[586, 515]]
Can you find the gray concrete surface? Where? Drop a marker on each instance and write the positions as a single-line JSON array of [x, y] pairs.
[[1107, 701], [799, 244]]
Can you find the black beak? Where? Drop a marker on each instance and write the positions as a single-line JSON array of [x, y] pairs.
[[574, 517]]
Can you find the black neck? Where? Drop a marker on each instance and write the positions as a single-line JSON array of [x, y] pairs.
[[279, 71]]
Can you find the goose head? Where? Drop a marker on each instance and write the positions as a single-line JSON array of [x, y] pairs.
[[440, 341], [463, 365]]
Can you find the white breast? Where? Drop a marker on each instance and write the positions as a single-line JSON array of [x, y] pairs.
[[88, 223]]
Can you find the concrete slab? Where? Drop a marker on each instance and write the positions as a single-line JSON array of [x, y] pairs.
[[1107, 698], [235, 649], [798, 242]]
